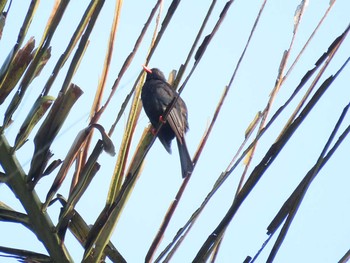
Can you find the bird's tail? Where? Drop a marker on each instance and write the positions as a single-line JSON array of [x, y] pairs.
[[185, 158]]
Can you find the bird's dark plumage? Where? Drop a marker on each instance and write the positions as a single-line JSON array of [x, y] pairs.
[[156, 95]]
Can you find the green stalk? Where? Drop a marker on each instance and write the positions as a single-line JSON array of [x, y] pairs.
[[40, 221]]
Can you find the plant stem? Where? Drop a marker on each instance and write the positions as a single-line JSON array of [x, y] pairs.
[[41, 223]]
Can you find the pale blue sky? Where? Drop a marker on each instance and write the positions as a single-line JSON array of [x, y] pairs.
[[320, 231]]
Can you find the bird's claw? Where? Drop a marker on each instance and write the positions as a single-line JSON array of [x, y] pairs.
[[161, 119], [153, 131]]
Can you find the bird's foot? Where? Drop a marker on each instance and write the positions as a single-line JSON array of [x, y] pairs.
[[161, 119], [153, 131]]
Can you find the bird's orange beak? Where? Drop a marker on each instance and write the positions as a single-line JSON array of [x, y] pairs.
[[148, 70]]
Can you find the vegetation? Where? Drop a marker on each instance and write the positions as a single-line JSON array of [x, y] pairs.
[[47, 115]]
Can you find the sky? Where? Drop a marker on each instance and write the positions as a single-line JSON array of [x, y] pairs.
[[320, 231]]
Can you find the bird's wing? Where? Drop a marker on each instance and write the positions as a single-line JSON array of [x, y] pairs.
[[177, 117], [177, 123]]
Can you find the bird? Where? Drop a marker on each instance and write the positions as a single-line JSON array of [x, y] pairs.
[[156, 95]]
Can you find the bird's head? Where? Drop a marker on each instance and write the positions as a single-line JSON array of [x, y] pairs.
[[154, 73]]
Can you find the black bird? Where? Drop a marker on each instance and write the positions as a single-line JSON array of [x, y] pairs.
[[156, 95]]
